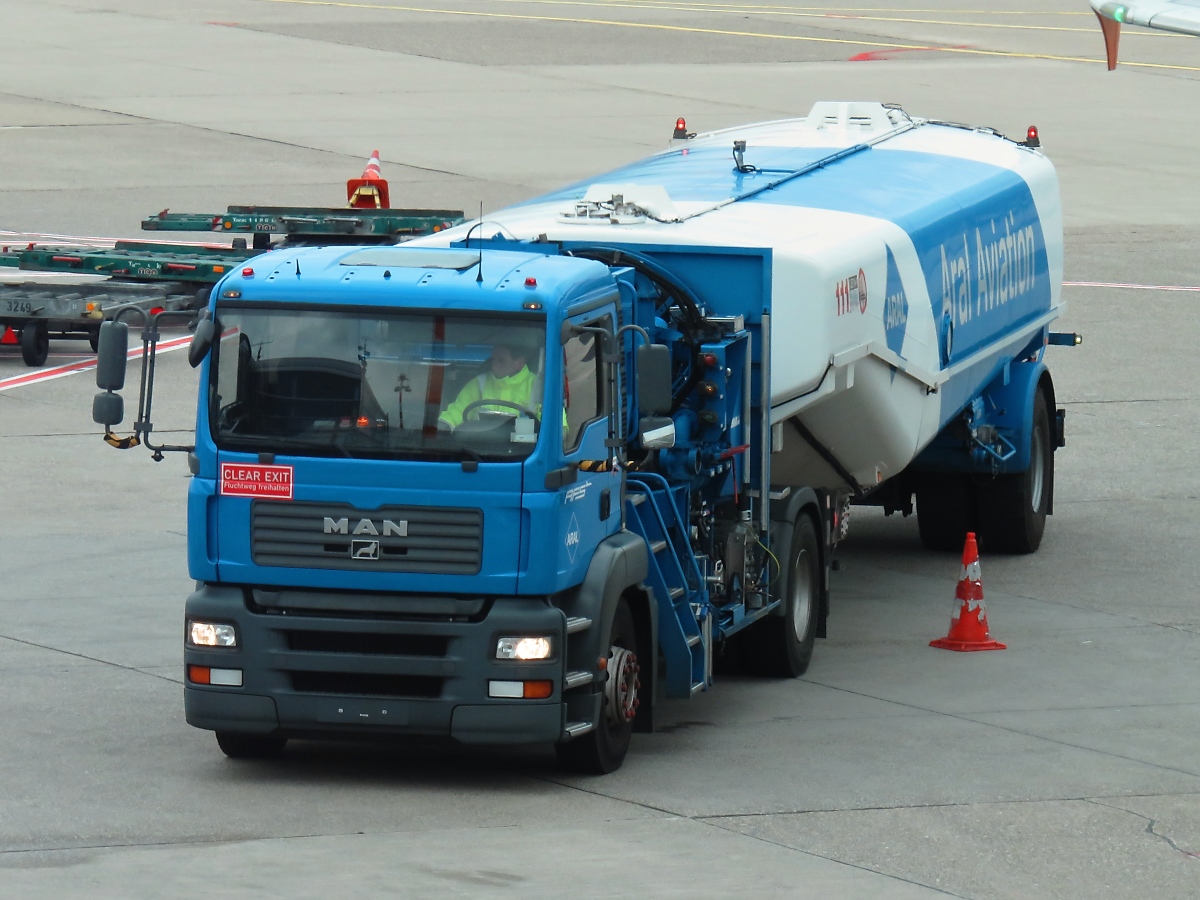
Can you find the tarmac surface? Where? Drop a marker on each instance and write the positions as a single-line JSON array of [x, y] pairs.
[[1065, 766]]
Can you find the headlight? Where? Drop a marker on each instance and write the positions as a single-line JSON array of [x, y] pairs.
[[523, 648], [211, 634]]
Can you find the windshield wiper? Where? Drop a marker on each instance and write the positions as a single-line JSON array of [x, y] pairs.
[[282, 443]]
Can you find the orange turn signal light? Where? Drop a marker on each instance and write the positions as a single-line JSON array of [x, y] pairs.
[[199, 675], [538, 690]]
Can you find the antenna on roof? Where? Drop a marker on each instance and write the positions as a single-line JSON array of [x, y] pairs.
[[479, 271]]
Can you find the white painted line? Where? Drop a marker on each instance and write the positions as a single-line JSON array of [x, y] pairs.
[[83, 365], [1133, 287]]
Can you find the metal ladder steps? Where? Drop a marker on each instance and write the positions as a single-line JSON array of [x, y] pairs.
[[575, 729], [657, 547], [693, 640]]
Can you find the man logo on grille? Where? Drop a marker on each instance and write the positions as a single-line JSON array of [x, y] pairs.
[[364, 549]]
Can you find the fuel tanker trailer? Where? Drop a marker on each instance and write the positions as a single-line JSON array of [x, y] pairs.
[[899, 274], [517, 481]]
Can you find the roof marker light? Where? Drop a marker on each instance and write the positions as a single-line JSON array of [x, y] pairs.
[[530, 281], [1031, 137], [681, 133], [247, 272]]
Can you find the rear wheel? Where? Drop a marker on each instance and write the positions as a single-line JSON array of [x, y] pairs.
[[94, 338], [945, 510], [782, 646], [1013, 508], [35, 343], [239, 745], [603, 749]]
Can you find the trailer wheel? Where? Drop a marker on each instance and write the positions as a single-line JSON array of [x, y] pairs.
[[603, 749], [239, 745], [782, 646], [35, 343], [1013, 508], [945, 511]]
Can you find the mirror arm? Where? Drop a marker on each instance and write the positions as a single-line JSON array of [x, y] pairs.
[[143, 426]]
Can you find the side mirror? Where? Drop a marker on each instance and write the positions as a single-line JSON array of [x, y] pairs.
[[654, 379], [108, 409], [202, 340], [111, 353], [656, 432]]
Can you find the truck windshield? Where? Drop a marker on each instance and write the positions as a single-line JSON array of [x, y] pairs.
[[383, 386]]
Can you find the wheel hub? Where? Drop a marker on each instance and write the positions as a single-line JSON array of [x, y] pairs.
[[621, 689]]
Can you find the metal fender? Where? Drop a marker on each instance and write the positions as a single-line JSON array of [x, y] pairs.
[[783, 518], [1010, 407], [620, 562]]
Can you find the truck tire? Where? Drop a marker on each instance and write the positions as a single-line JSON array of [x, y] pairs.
[[945, 511], [782, 646], [1013, 508], [239, 745], [603, 749], [35, 343], [94, 338]]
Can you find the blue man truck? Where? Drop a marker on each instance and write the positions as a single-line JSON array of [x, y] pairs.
[[521, 480]]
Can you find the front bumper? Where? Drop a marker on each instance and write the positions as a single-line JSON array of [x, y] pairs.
[[331, 674]]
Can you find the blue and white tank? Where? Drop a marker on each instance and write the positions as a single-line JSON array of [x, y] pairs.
[[904, 273]]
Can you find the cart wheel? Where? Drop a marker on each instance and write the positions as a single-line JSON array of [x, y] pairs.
[[35, 343]]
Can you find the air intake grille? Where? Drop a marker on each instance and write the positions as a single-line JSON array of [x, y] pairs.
[[416, 539]]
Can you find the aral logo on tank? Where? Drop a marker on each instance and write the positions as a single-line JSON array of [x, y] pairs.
[[850, 293], [895, 307]]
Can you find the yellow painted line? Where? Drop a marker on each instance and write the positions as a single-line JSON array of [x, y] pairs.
[[854, 9], [732, 9], [344, 4]]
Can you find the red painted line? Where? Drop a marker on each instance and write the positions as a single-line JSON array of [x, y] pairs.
[[83, 365], [1133, 287], [881, 55]]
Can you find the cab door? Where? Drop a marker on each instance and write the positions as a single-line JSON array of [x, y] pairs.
[[587, 508]]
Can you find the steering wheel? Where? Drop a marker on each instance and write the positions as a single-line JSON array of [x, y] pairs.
[[477, 404]]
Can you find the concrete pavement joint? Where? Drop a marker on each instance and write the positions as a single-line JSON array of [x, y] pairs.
[[702, 820], [974, 803], [1040, 737], [276, 141], [84, 656]]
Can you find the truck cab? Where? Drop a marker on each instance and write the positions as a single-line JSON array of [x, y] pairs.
[[381, 543]]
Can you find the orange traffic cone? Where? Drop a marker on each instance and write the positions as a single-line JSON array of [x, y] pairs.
[[371, 190], [968, 625]]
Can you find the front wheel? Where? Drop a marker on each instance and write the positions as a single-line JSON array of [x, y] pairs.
[[240, 745], [603, 749], [782, 646]]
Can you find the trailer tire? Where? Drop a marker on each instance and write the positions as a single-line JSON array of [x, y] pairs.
[[603, 749], [1013, 508], [782, 646], [239, 745], [945, 511], [35, 343]]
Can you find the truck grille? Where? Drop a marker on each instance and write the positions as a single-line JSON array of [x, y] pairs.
[[355, 684], [370, 643], [415, 539]]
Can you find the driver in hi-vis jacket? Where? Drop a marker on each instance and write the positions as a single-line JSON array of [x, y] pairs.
[[509, 379]]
